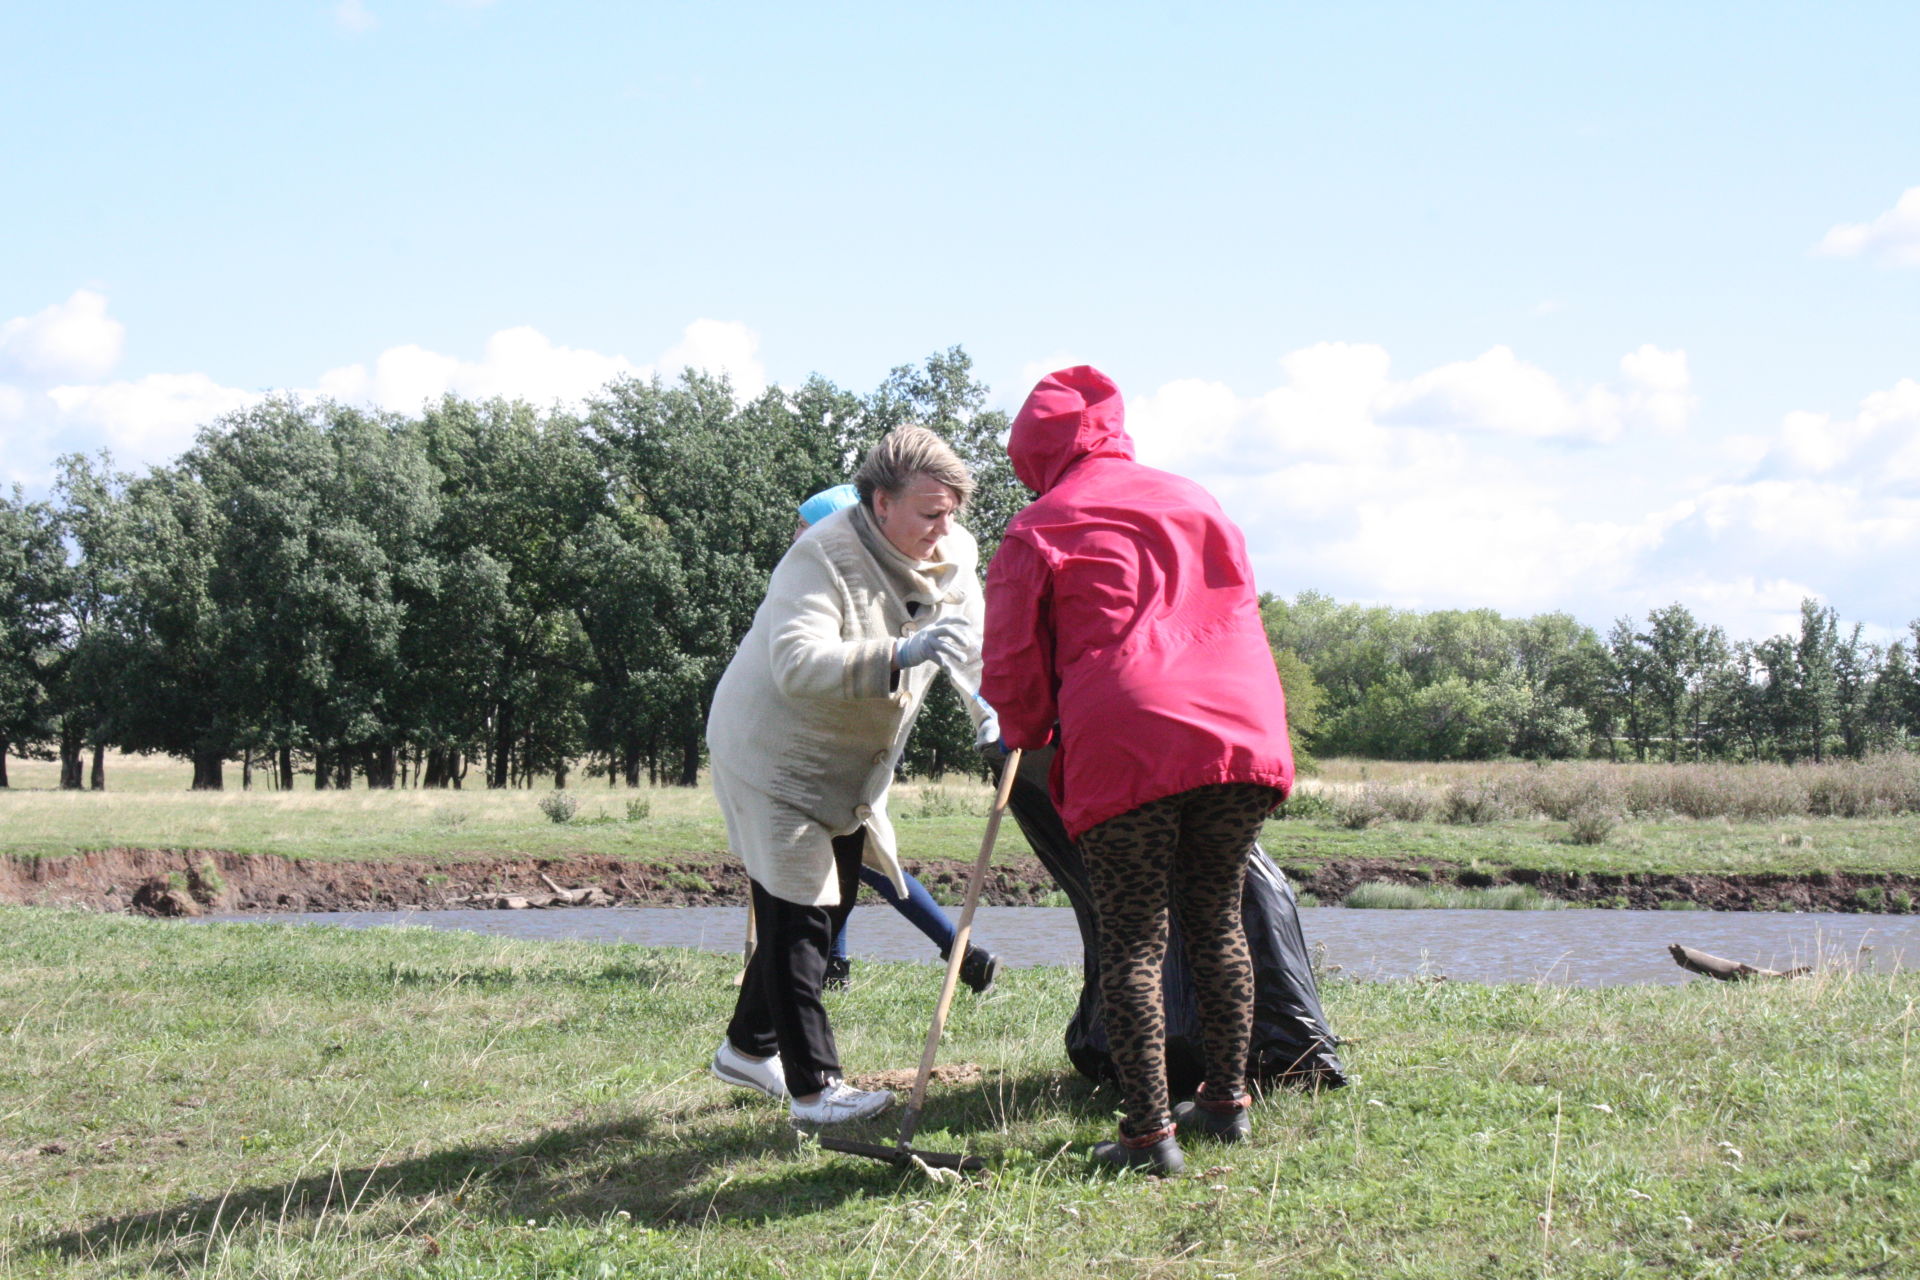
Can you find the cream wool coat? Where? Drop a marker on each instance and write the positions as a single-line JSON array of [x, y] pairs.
[[809, 722]]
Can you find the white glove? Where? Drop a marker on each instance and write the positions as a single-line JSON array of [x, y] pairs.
[[988, 734], [948, 639]]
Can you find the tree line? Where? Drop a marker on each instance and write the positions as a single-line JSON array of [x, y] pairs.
[[486, 592], [1471, 685], [483, 592]]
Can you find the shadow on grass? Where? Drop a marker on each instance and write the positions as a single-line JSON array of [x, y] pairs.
[[660, 1169]]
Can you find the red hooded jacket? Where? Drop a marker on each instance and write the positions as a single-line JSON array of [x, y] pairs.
[[1121, 606]]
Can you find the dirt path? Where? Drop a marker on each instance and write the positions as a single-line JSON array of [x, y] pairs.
[[174, 882]]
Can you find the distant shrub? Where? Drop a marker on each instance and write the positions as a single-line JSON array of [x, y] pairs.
[[1870, 898], [1471, 804], [1360, 810], [639, 809], [938, 802], [559, 806], [1591, 824], [1408, 802], [1306, 804]]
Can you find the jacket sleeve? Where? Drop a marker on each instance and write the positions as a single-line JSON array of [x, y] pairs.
[[810, 659], [1017, 659]]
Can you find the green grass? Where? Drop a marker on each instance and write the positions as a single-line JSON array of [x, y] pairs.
[[148, 807], [240, 1101], [1384, 895]]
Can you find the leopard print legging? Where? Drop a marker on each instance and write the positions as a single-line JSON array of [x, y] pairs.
[[1189, 850]]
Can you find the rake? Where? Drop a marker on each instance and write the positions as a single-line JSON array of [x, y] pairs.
[[903, 1152]]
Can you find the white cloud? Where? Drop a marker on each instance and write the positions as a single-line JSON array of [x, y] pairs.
[[1497, 392], [147, 420], [62, 404], [518, 364], [352, 15], [1439, 490], [67, 341], [720, 347], [1893, 237]]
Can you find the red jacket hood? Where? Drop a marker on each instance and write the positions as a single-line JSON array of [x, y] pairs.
[[1072, 414]]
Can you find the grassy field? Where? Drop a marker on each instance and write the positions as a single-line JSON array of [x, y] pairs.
[[240, 1101], [1353, 810]]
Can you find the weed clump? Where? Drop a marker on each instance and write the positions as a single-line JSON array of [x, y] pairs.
[[1591, 824], [559, 806], [639, 809], [1359, 811], [1472, 804]]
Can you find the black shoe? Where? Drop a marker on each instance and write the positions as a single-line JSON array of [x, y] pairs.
[[839, 973], [1162, 1158], [1222, 1126], [978, 969]]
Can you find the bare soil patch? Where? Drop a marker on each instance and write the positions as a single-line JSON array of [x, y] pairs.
[[191, 882]]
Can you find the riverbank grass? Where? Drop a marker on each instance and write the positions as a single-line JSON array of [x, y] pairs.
[[255, 1100]]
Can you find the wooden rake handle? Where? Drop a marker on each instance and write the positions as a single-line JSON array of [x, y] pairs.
[[958, 952]]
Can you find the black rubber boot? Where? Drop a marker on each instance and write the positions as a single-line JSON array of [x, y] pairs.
[[1162, 1158], [839, 973], [978, 969], [1222, 1123]]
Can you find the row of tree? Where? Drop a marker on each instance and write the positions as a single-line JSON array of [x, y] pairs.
[[1465, 685], [487, 587], [410, 599]]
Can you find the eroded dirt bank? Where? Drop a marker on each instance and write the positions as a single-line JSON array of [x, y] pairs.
[[175, 882]]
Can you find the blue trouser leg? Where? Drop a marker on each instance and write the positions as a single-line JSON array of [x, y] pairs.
[[917, 906]]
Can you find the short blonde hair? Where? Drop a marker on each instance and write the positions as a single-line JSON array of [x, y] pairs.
[[905, 452]]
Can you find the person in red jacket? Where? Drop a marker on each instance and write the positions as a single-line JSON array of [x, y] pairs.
[[1122, 623]]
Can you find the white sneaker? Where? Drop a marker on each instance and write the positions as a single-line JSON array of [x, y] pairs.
[[840, 1102], [737, 1069]]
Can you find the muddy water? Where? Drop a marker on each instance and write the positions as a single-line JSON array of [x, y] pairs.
[[1585, 948]]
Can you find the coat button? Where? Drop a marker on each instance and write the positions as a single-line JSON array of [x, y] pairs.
[[863, 811], [880, 757]]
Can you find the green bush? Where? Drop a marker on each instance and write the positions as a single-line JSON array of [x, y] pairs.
[[1591, 824], [1472, 804], [639, 809], [559, 806]]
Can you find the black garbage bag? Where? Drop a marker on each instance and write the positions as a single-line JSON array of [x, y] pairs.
[[1292, 1044]]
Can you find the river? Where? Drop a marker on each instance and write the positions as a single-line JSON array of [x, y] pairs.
[[1583, 948]]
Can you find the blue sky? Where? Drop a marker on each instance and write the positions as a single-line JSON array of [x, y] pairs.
[[1539, 307]]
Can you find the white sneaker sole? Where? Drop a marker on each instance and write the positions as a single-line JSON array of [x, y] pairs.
[[726, 1075]]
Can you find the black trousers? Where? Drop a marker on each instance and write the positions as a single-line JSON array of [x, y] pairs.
[[779, 1008]]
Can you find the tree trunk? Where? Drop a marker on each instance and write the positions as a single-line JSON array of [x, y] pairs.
[[3, 762], [322, 770], [72, 777], [502, 748], [458, 771], [99, 778], [286, 768], [207, 770], [381, 767], [560, 776], [690, 759], [343, 771], [246, 769]]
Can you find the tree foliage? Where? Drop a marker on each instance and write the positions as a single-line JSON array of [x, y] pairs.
[[484, 591], [1451, 685]]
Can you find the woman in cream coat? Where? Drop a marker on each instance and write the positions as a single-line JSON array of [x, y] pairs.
[[807, 726]]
